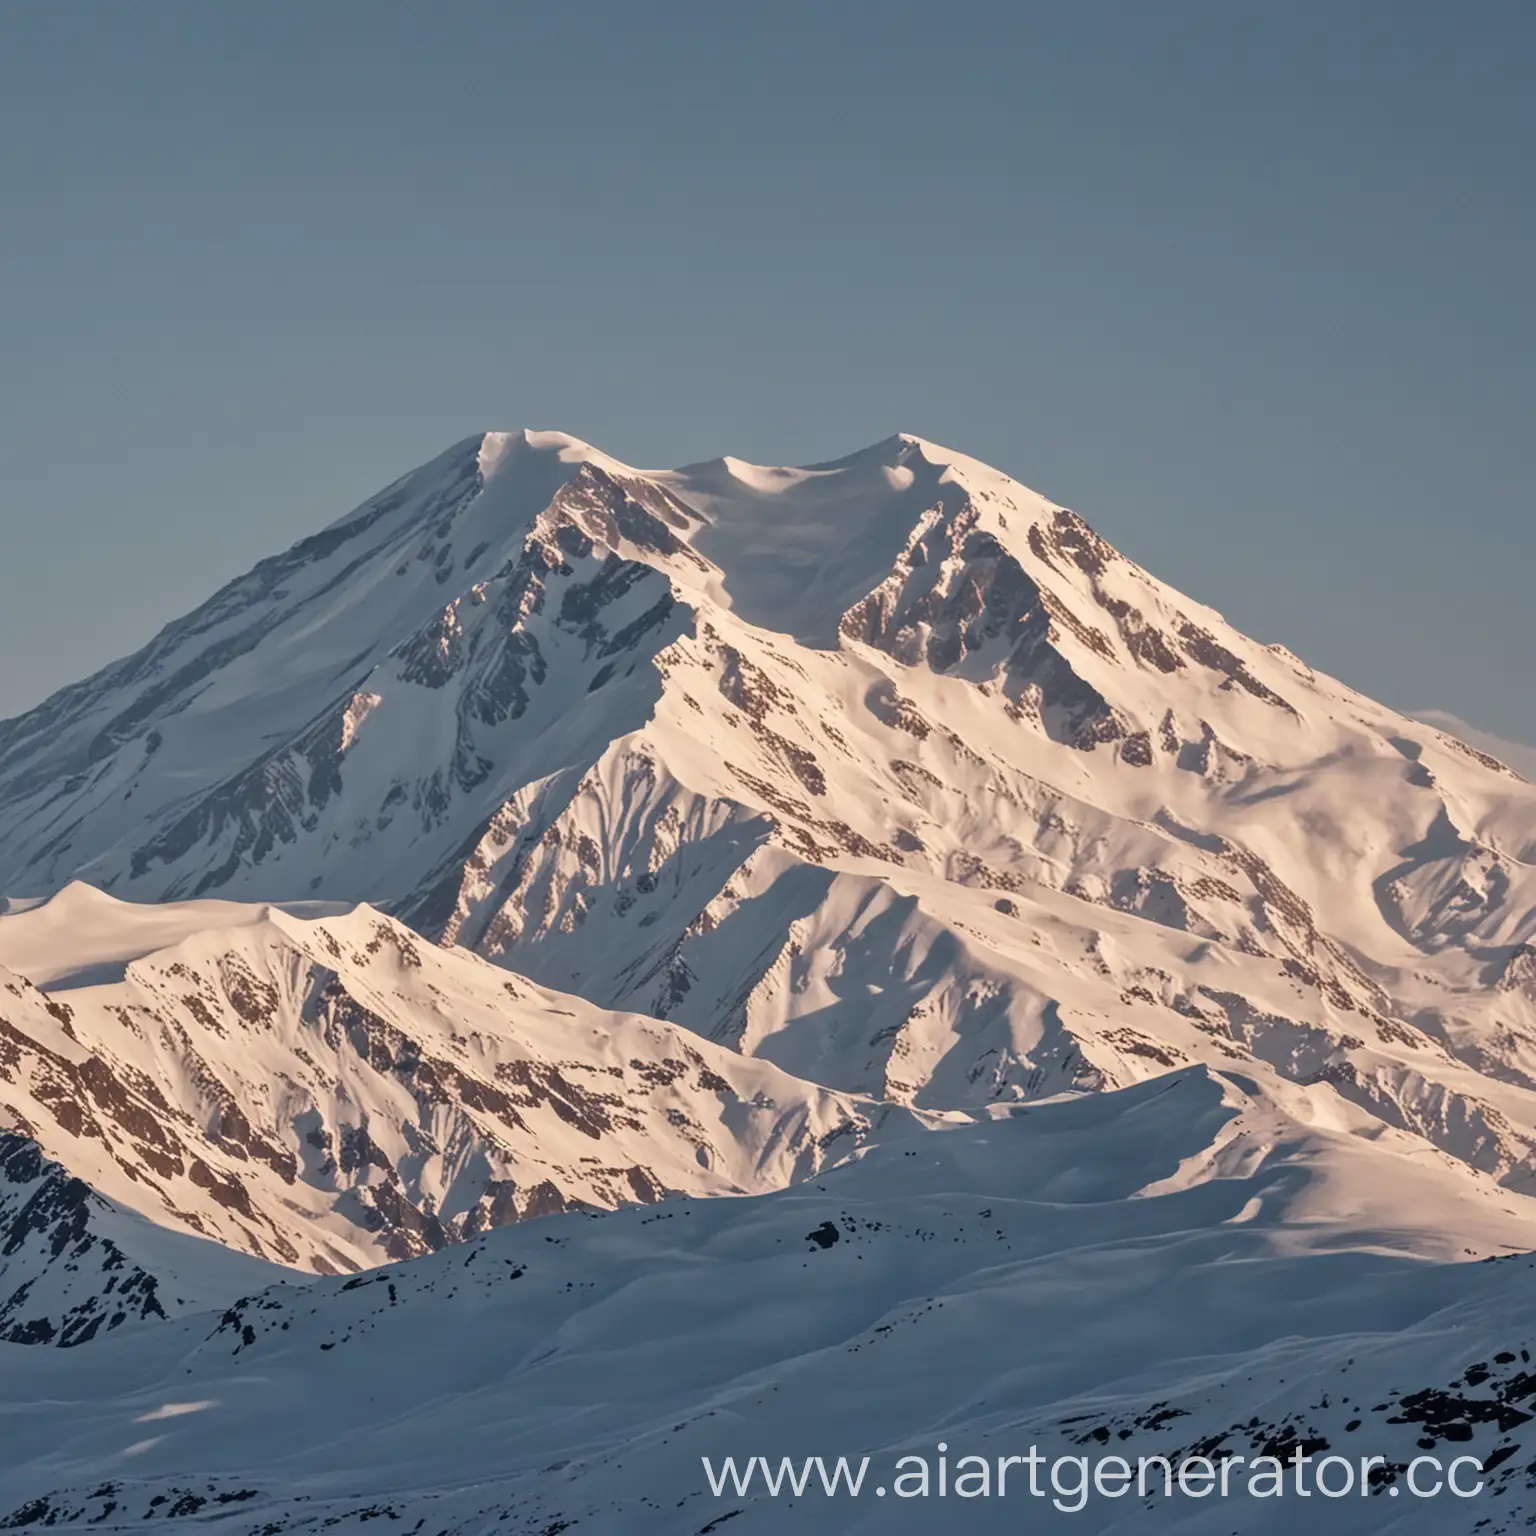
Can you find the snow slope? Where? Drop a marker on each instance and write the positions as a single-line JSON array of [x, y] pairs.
[[1520, 756], [1168, 1267]]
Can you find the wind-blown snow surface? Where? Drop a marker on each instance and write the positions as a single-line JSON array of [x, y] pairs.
[[1151, 1270], [796, 808]]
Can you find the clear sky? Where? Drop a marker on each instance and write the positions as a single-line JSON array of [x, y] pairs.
[[1248, 285]]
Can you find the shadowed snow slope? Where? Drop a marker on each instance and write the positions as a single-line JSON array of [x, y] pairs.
[[73, 1264], [1151, 1270]]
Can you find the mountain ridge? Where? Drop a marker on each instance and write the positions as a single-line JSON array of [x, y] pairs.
[[325, 1092]]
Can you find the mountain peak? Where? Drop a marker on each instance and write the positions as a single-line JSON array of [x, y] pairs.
[[501, 450]]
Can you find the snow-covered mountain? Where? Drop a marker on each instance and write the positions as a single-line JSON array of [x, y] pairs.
[[550, 834], [325, 1091], [1171, 1268], [888, 771]]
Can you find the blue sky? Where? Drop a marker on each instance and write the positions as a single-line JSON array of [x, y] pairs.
[[1247, 285]]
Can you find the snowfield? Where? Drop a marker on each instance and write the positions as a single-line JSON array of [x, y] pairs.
[[776, 961]]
